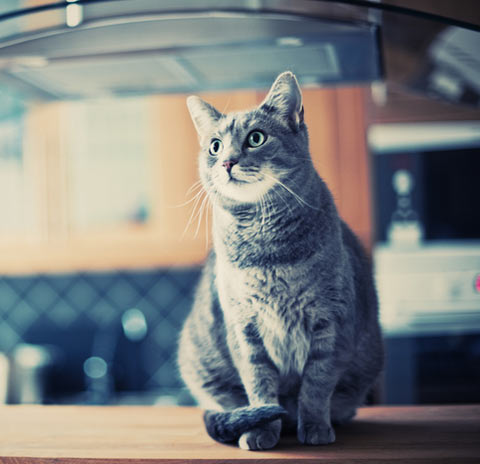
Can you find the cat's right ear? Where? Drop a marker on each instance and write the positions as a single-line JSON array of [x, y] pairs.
[[285, 98], [204, 116]]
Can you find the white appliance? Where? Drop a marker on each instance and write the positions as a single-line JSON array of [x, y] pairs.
[[433, 289]]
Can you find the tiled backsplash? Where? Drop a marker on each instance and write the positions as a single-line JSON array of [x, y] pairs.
[[75, 312]]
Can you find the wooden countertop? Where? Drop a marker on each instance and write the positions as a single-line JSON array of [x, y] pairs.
[[77, 434]]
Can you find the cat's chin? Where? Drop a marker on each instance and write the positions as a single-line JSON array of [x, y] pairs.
[[245, 192]]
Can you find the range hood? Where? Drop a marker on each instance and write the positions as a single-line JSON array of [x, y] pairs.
[[131, 47]]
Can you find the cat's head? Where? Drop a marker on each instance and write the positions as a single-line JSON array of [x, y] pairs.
[[246, 154]]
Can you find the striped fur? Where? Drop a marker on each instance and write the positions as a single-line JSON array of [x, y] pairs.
[[286, 310]]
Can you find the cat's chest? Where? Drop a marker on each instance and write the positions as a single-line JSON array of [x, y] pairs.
[[286, 342], [273, 298]]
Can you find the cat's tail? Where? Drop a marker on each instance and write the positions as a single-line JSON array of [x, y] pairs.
[[228, 426]]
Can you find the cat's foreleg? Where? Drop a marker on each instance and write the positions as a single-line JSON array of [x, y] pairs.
[[320, 376], [260, 378]]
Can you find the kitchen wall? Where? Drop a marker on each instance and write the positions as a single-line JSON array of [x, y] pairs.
[[74, 314]]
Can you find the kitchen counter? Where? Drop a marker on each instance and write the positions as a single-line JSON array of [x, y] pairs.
[[77, 434]]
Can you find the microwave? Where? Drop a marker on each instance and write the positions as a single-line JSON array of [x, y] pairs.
[[426, 202]]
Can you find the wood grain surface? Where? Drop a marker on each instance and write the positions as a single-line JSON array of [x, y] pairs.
[[131, 434]]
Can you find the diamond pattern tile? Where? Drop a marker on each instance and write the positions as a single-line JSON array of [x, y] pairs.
[[8, 297], [82, 295], [41, 295], [62, 314], [22, 315], [103, 313], [76, 311], [8, 337], [60, 282], [21, 285], [102, 281], [143, 280], [165, 335], [163, 375], [122, 293], [164, 291], [149, 308]]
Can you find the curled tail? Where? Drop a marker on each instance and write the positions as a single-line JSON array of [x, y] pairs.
[[228, 426]]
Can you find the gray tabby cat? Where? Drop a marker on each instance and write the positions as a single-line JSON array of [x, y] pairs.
[[284, 331]]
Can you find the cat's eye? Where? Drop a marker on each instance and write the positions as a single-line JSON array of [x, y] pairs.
[[216, 146], [256, 138]]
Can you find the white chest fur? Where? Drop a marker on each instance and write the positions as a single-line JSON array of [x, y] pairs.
[[271, 297], [287, 346]]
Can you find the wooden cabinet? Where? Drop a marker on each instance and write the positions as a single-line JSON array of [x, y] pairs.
[[109, 181], [337, 123]]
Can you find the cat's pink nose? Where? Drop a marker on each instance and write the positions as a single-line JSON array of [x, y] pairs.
[[228, 165]]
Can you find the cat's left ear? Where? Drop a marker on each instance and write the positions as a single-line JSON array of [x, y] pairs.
[[204, 115], [285, 98]]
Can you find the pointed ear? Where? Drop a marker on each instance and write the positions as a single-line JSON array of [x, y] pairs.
[[285, 97], [203, 115]]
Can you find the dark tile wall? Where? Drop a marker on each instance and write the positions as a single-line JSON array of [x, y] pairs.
[[77, 313]]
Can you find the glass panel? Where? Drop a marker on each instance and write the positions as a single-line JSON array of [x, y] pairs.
[[107, 159]]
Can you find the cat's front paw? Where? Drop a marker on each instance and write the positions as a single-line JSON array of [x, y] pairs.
[[261, 438], [315, 434]]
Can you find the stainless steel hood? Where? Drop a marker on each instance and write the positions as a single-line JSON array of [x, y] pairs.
[[139, 46]]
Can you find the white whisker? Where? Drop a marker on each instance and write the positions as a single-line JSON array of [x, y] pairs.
[[288, 189], [279, 193], [270, 205], [196, 185], [210, 205], [188, 201], [226, 105], [258, 209], [193, 213], [200, 215], [262, 211]]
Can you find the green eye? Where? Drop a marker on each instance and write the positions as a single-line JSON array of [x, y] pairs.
[[216, 146], [256, 138]]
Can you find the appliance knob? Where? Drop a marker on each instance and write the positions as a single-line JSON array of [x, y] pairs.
[[476, 283]]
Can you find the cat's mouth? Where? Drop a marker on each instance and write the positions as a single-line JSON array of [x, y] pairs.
[[244, 187], [235, 180], [239, 177]]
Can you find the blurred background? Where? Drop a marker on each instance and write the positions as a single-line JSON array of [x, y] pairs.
[[101, 236]]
